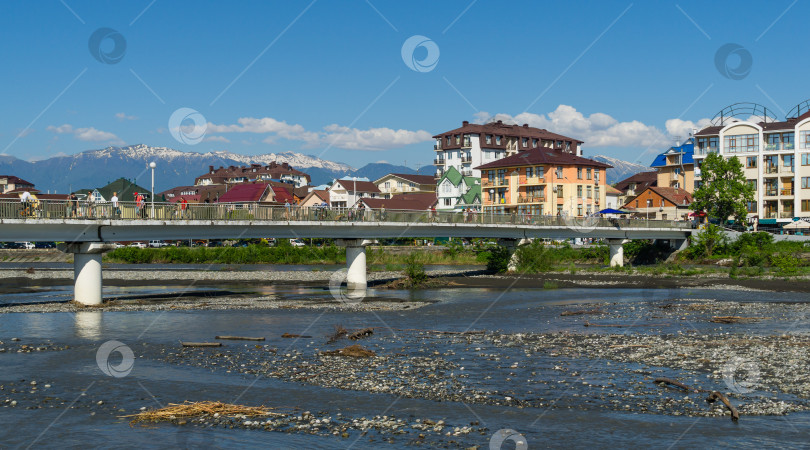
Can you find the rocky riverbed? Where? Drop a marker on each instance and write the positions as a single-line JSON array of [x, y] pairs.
[[608, 360]]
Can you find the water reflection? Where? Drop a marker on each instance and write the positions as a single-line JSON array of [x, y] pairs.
[[88, 324]]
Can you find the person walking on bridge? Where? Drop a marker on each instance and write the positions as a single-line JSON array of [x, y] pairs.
[[25, 204], [116, 213]]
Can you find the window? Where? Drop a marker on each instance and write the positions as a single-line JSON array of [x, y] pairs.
[[804, 139], [559, 210], [539, 171], [448, 140], [588, 191], [772, 141], [387, 185], [806, 159], [525, 142], [596, 175], [579, 190], [559, 172], [529, 172], [636, 203], [498, 140], [559, 190], [662, 202], [596, 192], [579, 173], [751, 207], [787, 162], [579, 210], [399, 184], [805, 182], [567, 146], [753, 184], [534, 143], [448, 202], [458, 139], [489, 139], [446, 188], [805, 205], [751, 162], [787, 141], [588, 173]]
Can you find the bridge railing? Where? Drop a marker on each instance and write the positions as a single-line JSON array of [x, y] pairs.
[[54, 209]]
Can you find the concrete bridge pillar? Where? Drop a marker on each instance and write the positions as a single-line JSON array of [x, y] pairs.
[[355, 262], [616, 251], [512, 245], [87, 277]]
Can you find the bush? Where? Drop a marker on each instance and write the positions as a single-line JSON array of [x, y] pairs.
[[785, 263], [414, 269], [498, 260], [536, 257]]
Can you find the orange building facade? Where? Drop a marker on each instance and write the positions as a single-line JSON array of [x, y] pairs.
[[544, 182]]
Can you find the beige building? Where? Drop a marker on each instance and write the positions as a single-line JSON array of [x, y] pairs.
[[676, 168], [401, 183], [775, 156]]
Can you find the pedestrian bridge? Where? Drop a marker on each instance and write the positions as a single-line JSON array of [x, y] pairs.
[[88, 230]]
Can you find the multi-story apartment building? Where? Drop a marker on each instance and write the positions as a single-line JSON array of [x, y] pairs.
[[253, 173], [346, 192], [544, 181], [676, 168], [457, 192], [775, 156], [401, 183], [472, 145]]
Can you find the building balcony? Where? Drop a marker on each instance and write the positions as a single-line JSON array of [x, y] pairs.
[[467, 172], [706, 151], [533, 180], [786, 170], [771, 169], [770, 214], [496, 182], [786, 214], [439, 161], [437, 146], [786, 192], [466, 159], [771, 192], [466, 143], [531, 199]]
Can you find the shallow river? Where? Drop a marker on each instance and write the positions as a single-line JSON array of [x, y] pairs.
[[75, 379]]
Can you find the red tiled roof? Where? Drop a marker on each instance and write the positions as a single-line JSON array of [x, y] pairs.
[[245, 193], [540, 156], [15, 180], [282, 195], [502, 129], [358, 186], [642, 180], [677, 196]]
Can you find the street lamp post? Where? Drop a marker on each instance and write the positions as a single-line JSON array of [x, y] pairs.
[[152, 166]]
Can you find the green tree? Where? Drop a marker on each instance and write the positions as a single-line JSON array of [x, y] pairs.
[[724, 191]]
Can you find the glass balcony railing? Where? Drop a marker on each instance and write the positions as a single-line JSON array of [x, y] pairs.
[[771, 169], [786, 192], [770, 192], [786, 214], [706, 150]]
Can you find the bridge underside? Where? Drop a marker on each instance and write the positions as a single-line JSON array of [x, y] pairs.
[[141, 230], [88, 239]]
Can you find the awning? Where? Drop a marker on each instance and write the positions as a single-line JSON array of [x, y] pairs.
[[613, 211], [767, 221]]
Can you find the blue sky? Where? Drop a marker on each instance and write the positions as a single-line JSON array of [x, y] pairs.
[[328, 77]]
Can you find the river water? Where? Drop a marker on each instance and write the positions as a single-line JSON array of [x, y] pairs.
[[76, 419]]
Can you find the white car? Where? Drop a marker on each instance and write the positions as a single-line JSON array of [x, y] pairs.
[[138, 244], [157, 244], [118, 245], [28, 245], [297, 243]]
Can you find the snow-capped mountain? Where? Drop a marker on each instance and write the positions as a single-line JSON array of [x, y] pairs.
[[621, 169], [96, 168]]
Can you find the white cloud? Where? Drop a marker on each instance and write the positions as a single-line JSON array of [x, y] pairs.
[[332, 135], [599, 129], [216, 139], [122, 117], [89, 134]]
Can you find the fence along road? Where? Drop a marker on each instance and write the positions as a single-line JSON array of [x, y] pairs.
[[88, 229]]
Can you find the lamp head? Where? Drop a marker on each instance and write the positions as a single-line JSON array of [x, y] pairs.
[[152, 165]]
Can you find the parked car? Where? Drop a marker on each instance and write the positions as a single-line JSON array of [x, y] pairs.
[[118, 245], [27, 245], [44, 245], [138, 244], [157, 244], [297, 243]]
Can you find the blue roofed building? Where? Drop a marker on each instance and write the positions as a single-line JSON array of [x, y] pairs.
[[676, 166]]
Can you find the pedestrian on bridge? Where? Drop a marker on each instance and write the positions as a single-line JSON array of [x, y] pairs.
[[116, 213], [90, 204]]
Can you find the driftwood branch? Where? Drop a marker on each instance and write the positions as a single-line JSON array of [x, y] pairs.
[[589, 324], [714, 396], [239, 338], [201, 344], [736, 319], [675, 383], [581, 312]]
